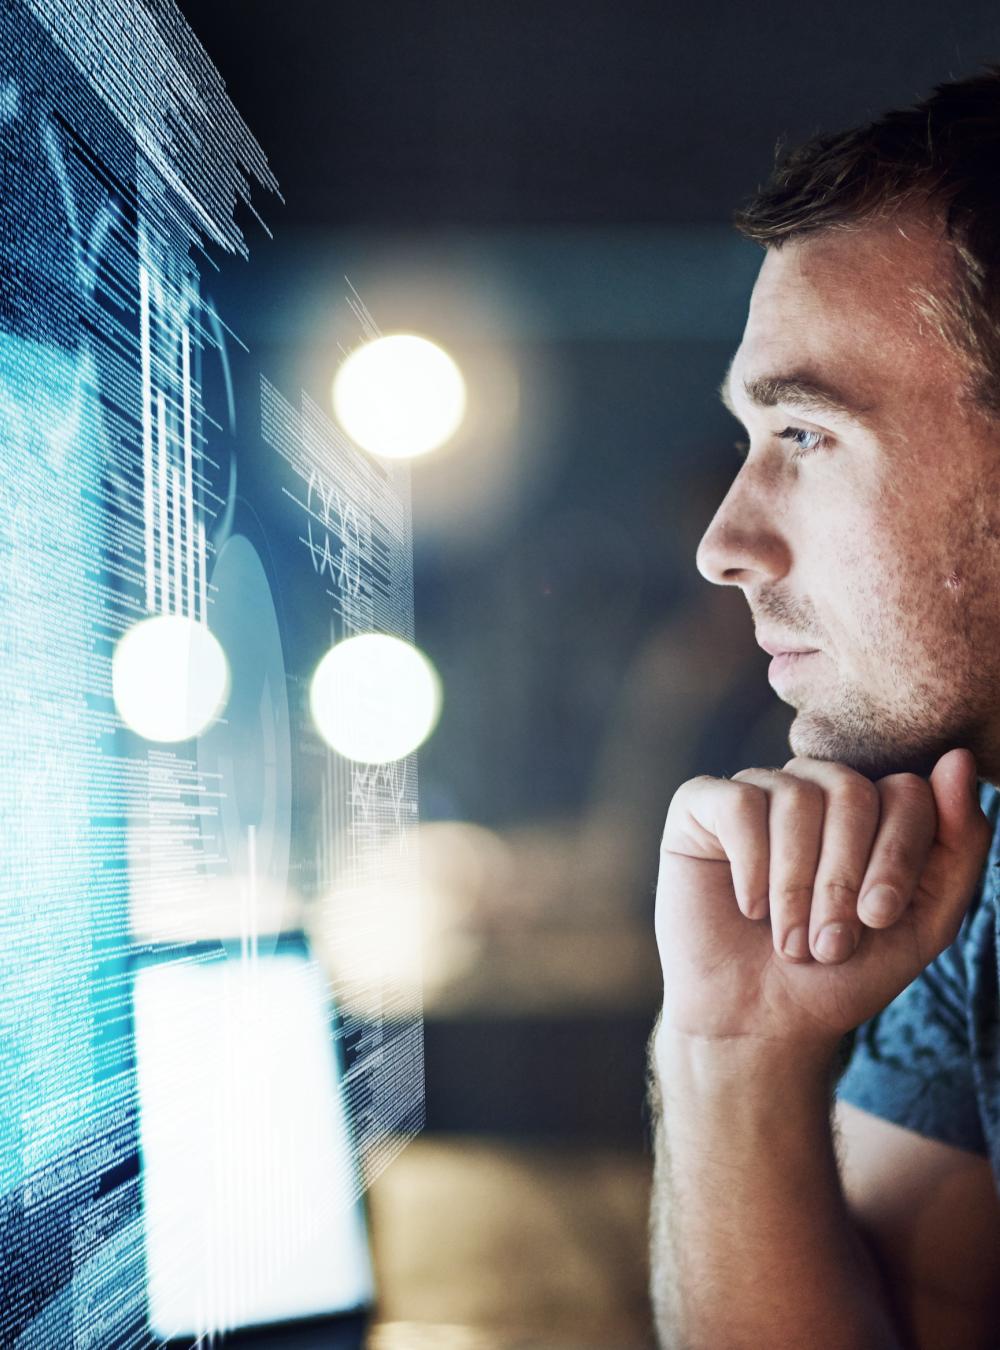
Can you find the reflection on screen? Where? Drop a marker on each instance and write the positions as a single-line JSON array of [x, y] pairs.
[[249, 1190]]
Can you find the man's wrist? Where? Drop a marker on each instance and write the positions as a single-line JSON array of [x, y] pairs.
[[705, 1067]]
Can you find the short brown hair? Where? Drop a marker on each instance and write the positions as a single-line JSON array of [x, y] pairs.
[[943, 154]]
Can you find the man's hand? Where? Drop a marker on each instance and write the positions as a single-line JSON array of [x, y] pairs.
[[876, 877]]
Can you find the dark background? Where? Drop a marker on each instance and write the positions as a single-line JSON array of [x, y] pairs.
[[446, 113], [546, 188]]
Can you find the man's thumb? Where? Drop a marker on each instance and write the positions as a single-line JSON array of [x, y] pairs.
[[955, 785]]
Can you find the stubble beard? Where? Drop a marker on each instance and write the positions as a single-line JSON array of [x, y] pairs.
[[914, 722], [878, 741], [906, 728]]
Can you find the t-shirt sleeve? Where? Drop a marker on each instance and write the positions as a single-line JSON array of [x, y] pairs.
[[912, 1063]]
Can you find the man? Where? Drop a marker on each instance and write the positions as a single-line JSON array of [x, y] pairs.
[[796, 905]]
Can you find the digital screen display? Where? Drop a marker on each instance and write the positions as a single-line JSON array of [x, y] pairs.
[[248, 1180], [182, 544]]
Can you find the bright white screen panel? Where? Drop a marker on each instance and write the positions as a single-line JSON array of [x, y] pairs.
[[249, 1189]]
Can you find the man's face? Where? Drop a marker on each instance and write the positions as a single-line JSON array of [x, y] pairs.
[[870, 535]]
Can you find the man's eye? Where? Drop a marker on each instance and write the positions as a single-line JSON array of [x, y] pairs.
[[806, 441]]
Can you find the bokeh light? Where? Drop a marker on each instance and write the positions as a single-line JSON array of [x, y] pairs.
[[375, 698], [399, 396], [170, 678]]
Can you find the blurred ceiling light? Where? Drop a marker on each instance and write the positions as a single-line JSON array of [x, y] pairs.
[[375, 698], [399, 396], [169, 677]]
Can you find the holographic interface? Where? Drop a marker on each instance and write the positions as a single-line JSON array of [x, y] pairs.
[[210, 1042]]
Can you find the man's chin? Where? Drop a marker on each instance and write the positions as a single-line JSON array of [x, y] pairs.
[[867, 749]]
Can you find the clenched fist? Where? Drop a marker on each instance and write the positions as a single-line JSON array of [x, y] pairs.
[[792, 905]]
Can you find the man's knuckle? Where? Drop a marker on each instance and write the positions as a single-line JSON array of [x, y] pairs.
[[689, 790], [899, 857], [910, 787], [803, 794], [752, 777], [857, 795], [789, 784], [792, 893], [842, 890], [748, 799]]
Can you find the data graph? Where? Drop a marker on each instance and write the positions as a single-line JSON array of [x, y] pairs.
[[182, 850]]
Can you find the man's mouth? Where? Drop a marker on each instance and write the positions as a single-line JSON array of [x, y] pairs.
[[784, 663], [775, 648], [787, 656]]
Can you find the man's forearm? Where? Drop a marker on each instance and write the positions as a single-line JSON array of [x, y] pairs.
[[752, 1243]]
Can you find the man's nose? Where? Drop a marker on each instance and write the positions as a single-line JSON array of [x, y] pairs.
[[742, 544]]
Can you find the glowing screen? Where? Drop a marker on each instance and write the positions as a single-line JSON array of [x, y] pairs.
[[181, 545], [243, 1199]]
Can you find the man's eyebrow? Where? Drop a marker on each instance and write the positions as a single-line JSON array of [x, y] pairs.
[[796, 390]]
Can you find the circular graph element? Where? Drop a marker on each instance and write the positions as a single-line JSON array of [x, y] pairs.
[[246, 756]]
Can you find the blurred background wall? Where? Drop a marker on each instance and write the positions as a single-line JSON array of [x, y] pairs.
[[545, 188]]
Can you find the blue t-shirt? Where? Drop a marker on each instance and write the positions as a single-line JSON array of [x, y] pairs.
[[930, 1061]]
